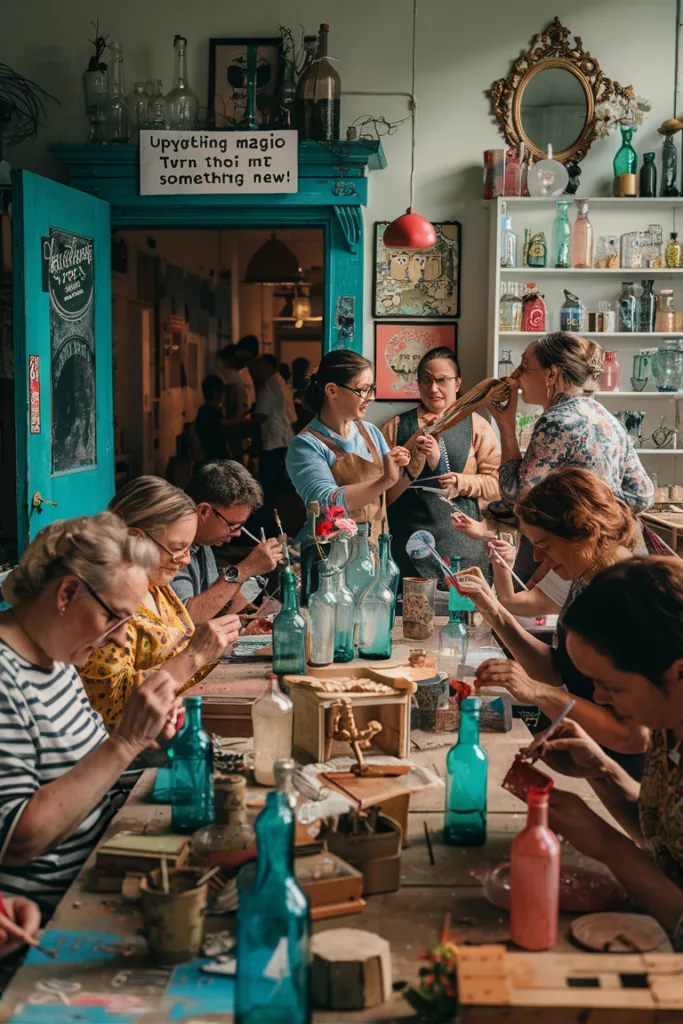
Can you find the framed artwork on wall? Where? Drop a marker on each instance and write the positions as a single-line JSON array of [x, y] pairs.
[[419, 282], [228, 80], [398, 350]]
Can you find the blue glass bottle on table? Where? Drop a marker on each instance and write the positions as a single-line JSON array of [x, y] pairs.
[[191, 773], [466, 776], [273, 923], [289, 631], [373, 615]]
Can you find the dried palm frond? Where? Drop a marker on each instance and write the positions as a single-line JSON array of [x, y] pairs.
[[490, 388]]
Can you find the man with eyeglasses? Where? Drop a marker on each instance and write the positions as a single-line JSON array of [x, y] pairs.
[[226, 494]]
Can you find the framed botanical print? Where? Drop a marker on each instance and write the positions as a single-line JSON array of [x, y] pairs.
[[228, 80], [398, 350], [419, 282]]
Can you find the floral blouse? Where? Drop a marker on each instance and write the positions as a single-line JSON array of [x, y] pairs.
[[661, 806], [578, 431], [112, 672]]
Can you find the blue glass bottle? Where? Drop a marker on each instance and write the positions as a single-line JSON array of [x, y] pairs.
[[344, 649], [373, 615], [361, 569], [392, 580], [273, 925], [191, 773], [466, 769], [289, 631]]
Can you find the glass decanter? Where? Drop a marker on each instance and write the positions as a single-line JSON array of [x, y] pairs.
[[582, 238], [289, 631], [182, 106], [230, 840], [322, 608], [191, 773], [373, 615], [116, 114], [562, 236], [466, 771], [272, 716]]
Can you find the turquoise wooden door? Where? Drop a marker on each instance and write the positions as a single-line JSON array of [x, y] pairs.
[[63, 359]]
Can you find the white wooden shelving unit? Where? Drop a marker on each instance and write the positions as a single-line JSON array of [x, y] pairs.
[[609, 217]]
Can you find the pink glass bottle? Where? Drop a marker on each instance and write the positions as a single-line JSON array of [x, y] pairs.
[[535, 878], [582, 237], [610, 378]]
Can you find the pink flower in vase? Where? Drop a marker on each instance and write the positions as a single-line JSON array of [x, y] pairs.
[[347, 526]]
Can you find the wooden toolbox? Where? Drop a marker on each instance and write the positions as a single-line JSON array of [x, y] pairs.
[[226, 707], [334, 888]]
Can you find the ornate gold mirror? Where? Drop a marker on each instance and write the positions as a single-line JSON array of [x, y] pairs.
[[549, 97]]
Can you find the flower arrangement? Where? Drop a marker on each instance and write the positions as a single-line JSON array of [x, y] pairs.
[[436, 997], [629, 111], [334, 522]]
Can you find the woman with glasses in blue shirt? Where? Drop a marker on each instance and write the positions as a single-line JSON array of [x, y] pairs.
[[337, 459]]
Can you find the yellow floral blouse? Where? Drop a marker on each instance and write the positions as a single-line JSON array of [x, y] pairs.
[[112, 672]]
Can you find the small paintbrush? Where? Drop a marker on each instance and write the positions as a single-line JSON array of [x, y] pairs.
[[555, 725]]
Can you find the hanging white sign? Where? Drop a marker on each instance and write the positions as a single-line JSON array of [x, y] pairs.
[[218, 162]]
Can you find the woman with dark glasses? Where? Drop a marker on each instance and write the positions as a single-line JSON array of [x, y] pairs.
[[337, 459], [161, 632], [462, 462]]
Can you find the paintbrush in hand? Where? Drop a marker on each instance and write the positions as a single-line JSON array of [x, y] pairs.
[[10, 926]]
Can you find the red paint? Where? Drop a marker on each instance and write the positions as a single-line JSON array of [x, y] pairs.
[[535, 878], [522, 776]]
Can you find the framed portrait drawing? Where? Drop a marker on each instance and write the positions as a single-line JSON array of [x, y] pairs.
[[398, 350], [228, 80], [419, 282]]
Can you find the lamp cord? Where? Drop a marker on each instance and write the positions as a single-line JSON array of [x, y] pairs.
[[413, 105]]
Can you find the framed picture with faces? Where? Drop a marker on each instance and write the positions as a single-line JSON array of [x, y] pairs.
[[398, 351], [418, 282]]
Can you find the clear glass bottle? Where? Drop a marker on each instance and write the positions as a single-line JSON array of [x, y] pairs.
[[648, 177], [272, 716], [508, 243], [272, 985], [668, 189], [452, 644], [535, 878], [582, 237], [322, 608], [562, 236], [393, 577], [137, 108], [318, 96], [289, 631], [191, 773], [647, 305], [572, 312], [345, 618], [95, 93], [156, 105], [665, 317], [373, 615], [674, 251], [466, 775], [116, 114], [361, 569], [505, 364], [510, 307], [626, 309], [610, 378], [230, 840], [182, 105]]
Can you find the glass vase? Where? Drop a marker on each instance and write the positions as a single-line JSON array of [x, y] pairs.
[[95, 93], [322, 608], [272, 716], [626, 159], [191, 773], [562, 236]]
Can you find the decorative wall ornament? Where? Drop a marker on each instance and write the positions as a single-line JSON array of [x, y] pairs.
[[419, 282], [398, 350]]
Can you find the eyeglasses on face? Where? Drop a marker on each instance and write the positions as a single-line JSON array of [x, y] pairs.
[[363, 393], [119, 620], [426, 378], [175, 556], [234, 527]]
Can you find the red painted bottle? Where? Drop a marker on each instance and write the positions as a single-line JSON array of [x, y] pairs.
[[533, 310], [535, 878]]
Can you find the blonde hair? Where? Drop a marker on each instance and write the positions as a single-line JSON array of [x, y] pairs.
[[94, 548], [151, 504], [578, 359]]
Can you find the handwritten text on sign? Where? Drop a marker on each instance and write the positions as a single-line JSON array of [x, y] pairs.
[[199, 163]]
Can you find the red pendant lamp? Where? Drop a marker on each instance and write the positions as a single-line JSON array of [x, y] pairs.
[[411, 230]]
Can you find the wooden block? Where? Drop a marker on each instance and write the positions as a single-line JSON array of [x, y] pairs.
[[351, 969], [128, 852]]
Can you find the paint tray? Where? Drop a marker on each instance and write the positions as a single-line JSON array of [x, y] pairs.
[[522, 776]]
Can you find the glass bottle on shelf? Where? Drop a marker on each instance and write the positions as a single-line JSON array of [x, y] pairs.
[[626, 309], [319, 96], [647, 305], [392, 580], [648, 177], [230, 840], [572, 312], [466, 773], [668, 189], [361, 569], [535, 878], [272, 716], [533, 310], [508, 244], [182, 105], [273, 923], [116, 114], [562, 236], [156, 105], [374, 614], [510, 309], [289, 631], [610, 378], [191, 773], [537, 250], [95, 93], [582, 237], [322, 608], [344, 621], [137, 107], [505, 365], [674, 251], [626, 159], [665, 317]]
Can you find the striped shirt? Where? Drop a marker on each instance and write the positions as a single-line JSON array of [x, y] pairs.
[[46, 727]]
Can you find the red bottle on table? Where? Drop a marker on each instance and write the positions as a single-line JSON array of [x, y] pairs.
[[535, 878]]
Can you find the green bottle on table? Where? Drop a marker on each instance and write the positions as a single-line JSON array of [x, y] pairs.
[[289, 631], [191, 773], [466, 776]]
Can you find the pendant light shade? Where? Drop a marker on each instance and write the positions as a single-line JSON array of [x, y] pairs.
[[273, 263], [410, 230]]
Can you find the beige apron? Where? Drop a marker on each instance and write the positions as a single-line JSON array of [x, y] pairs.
[[354, 469]]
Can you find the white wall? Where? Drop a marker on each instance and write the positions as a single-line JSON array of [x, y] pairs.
[[461, 49]]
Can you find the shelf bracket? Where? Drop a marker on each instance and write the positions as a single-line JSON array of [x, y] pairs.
[[350, 221]]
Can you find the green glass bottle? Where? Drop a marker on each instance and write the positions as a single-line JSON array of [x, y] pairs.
[[191, 773], [562, 236], [626, 160], [344, 649], [289, 631], [466, 777]]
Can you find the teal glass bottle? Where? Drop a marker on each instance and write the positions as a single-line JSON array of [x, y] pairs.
[[272, 985], [562, 236], [361, 569], [626, 160], [344, 649], [466, 775], [373, 615], [452, 644], [191, 773], [289, 631], [457, 602], [322, 608], [393, 575]]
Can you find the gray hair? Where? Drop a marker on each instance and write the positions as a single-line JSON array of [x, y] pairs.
[[225, 483], [93, 548]]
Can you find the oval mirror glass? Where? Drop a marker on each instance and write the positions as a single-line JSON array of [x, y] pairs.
[[553, 109]]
